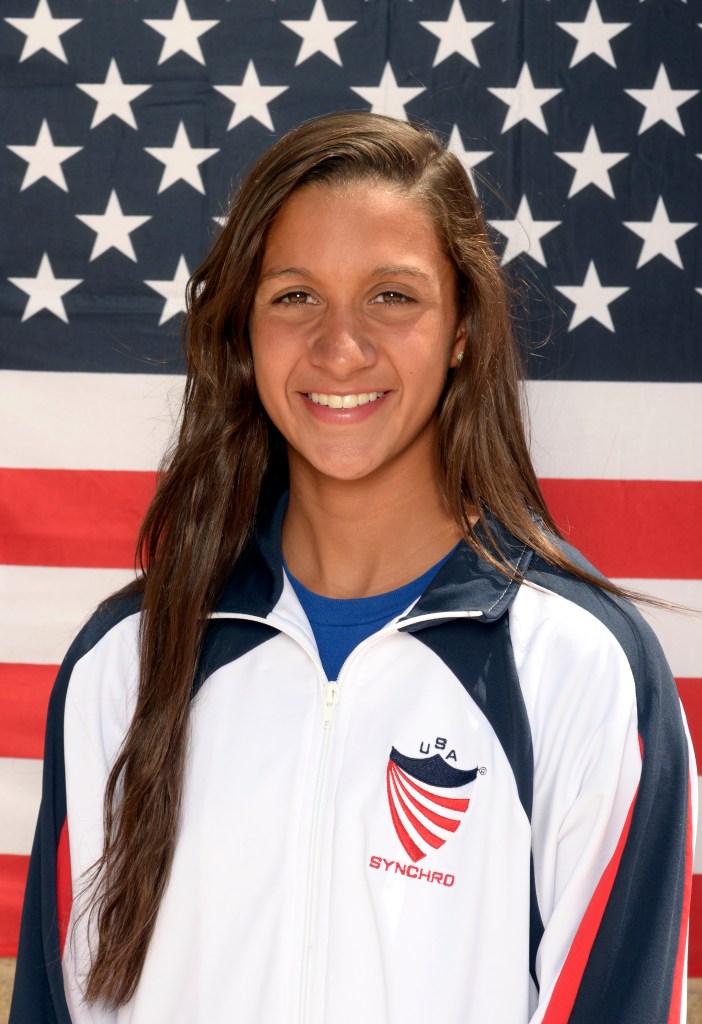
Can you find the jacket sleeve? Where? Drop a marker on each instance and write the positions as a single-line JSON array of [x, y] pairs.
[[613, 824], [38, 995]]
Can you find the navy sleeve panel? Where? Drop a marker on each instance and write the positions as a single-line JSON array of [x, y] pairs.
[[480, 656], [225, 641], [630, 974], [38, 996]]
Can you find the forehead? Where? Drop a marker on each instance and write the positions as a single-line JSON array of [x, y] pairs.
[[358, 221]]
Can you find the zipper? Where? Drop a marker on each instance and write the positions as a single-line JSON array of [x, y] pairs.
[[331, 699]]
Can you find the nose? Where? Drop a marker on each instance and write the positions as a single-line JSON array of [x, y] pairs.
[[341, 344]]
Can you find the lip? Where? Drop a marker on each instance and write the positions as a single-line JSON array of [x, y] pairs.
[[325, 414]]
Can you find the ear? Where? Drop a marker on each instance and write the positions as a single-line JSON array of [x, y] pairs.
[[458, 345]]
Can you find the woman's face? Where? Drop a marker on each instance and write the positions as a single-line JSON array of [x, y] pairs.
[[353, 330]]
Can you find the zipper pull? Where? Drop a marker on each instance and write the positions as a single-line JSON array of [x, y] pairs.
[[331, 699]]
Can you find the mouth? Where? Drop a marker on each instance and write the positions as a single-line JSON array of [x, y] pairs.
[[344, 401]]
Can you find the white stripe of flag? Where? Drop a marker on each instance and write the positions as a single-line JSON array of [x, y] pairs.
[[580, 429]]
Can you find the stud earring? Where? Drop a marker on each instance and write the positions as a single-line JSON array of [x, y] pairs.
[[459, 358]]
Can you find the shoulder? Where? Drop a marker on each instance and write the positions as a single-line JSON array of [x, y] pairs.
[[100, 649], [108, 616], [617, 617], [582, 630], [573, 671]]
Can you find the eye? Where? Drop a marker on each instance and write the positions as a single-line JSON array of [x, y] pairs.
[[295, 298], [390, 298]]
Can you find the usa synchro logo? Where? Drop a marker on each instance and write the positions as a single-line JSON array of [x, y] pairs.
[[426, 802]]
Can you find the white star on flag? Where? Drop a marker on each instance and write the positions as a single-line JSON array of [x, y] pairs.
[[388, 97], [524, 234], [181, 33], [525, 101], [660, 235], [456, 35], [592, 166], [43, 32], [593, 35], [112, 229], [181, 161], [44, 159], [113, 97], [318, 34], [470, 158], [172, 291], [45, 291], [251, 99], [661, 102], [592, 299]]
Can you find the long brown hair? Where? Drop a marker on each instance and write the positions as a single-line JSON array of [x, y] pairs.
[[227, 457]]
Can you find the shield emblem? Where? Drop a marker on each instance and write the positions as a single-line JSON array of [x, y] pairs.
[[427, 800]]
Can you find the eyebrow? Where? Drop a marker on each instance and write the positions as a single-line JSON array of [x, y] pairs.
[[293, 271], [391, 271], [398, 270]]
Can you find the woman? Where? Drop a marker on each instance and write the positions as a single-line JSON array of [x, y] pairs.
[[366, 741]]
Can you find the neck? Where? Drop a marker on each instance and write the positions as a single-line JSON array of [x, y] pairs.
[[362, 537]]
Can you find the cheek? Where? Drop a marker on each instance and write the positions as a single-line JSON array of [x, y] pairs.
[[270, 378], [431, 350], [273, 344], [264, 384], [262, 347], [262, 369]]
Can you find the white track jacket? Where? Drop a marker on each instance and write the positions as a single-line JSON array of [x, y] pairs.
[[486, 819]]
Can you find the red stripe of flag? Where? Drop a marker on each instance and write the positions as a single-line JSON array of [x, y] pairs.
[[616, 525], [13, 879], [80, 518], [690, 691], [694, 964], [90, 518], [24, 697]]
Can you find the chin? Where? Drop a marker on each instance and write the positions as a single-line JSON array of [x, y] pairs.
[[350, 474], [340, 462], [344, 469]]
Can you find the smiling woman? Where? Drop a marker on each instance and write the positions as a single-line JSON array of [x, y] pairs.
[[366, 740]]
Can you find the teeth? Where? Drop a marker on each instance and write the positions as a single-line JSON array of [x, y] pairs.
[[344, 401]]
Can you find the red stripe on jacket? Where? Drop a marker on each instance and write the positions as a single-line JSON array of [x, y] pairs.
[[568, 982], [64, 886], [674, 1017]]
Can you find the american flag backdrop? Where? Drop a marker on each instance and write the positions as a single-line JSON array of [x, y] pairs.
[[125, 124]]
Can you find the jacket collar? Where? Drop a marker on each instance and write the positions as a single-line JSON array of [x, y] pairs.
[[466, 583]]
